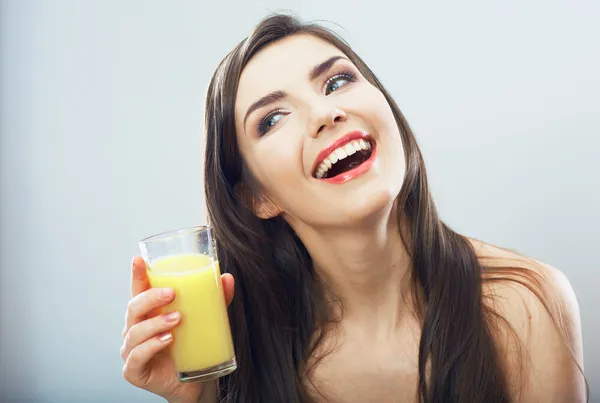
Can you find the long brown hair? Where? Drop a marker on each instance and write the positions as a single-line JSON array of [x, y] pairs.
[[279, 314]]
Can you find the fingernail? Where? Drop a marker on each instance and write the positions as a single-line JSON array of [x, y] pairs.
[[166, 293], [172, 317], [165, 337]]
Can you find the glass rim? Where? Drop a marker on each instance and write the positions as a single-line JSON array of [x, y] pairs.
[[176, 233]]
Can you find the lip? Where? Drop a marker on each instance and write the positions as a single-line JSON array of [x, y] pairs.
[[345, 139]]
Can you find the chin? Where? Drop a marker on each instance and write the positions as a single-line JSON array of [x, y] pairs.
[[361, 204], [365, 207]]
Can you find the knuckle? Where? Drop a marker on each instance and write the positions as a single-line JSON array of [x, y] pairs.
[[127, 337], [135, 356], [127, 374], [127, 346], [122, 352], [130, 308], [143, 302]]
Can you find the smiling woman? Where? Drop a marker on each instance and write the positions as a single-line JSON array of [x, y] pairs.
[[349, 287], [303, 104]]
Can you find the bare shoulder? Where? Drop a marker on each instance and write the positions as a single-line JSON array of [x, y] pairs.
[[542, 344]]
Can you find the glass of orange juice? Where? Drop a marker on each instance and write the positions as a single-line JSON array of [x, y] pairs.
[[186, 260]]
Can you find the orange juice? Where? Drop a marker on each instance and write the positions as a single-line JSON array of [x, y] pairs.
[[203, 339]]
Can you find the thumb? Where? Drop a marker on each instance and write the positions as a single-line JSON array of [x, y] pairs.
[[228, 287], [139, 278]]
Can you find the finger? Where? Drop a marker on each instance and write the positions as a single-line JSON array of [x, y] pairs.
[[139, 278], [138, 358], [146, 329], [143, 304], [228, 287]]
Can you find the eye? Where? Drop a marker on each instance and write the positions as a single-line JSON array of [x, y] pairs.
[[265, 124], [338, 81]]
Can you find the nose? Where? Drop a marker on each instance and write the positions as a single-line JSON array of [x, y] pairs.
[[326, 119]]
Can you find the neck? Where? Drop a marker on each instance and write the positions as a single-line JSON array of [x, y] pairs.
[[365, 267]]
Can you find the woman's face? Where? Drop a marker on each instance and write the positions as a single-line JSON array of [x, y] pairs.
[[321, 142]]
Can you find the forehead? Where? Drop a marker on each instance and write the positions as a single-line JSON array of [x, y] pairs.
[[280, 65]]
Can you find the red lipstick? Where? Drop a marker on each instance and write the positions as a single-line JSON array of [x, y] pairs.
[[354, 172], [345, 139]]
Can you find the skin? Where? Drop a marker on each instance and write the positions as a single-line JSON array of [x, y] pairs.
[[349, 226], [352, 235]]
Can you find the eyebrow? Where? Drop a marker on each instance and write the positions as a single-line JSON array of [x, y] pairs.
[[321, 68], [264, 101], [275, 96]]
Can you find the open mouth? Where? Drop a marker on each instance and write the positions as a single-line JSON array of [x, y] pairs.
[[344, 158]]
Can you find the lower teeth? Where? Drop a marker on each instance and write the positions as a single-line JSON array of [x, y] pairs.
[[348, 163]]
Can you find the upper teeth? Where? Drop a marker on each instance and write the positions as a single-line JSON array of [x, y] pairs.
[[339, 154]]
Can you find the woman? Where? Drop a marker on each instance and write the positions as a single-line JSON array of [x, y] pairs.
[[349, 288]]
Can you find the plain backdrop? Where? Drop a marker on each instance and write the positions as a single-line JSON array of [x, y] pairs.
[[101, 123]]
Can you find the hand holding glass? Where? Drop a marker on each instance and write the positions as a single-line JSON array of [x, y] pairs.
[[186, 260]]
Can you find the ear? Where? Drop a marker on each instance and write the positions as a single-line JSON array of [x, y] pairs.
[[263, 207]]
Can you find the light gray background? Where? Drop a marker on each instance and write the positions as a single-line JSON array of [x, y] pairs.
[[101, 111]]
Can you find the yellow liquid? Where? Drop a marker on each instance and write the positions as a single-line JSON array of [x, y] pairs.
[[203, 338]]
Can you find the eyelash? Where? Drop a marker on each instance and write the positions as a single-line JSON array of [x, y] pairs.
[[349, 76]]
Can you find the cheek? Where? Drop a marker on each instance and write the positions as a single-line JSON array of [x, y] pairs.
[[275, 163], [378, 112]]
